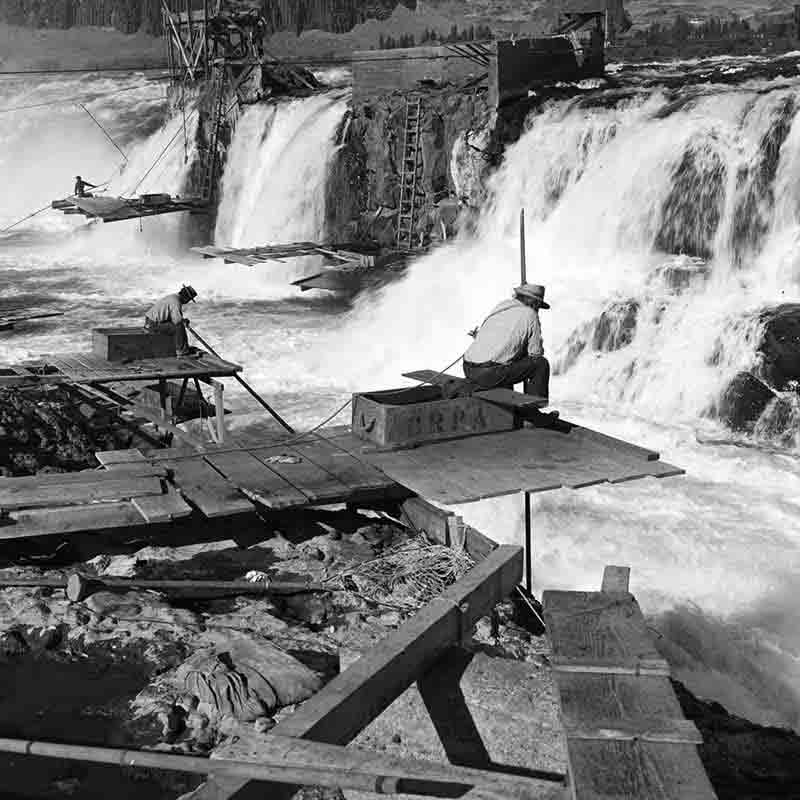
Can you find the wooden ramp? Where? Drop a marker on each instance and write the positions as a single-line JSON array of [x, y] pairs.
[[627, 738]]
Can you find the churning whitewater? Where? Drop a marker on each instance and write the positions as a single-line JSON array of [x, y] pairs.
[[621, 187]]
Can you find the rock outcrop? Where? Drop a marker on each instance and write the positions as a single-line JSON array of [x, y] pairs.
[[743, 401], [780, 345]]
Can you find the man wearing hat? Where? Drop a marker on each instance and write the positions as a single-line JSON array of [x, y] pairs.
[[166, 316], [508, 345], [81, 185]]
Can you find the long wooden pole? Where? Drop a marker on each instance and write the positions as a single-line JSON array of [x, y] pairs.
[[528, 533], [304, 763], [246, 385]]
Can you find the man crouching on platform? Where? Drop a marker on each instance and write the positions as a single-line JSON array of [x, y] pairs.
[[166, 316], [508, 345]]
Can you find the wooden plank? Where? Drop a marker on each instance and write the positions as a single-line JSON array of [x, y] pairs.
[[113, 458], [356, 696], [634, 770], [598, 629], [70, 519], [30, 483], [616, 579], [162, 508], [351, 471], [317, 484], [415, 775], [257, 480], [205, 488], [424, 517], [65, 494], [648, 729], [508, 398]]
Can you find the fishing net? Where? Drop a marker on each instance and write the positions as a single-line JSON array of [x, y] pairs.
[[408, 575]]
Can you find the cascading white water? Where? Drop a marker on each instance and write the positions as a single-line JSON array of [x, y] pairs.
[[273, 190]]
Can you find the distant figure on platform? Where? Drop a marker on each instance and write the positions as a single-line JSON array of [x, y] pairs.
[[81, 185], [508, 345], [166, 316]]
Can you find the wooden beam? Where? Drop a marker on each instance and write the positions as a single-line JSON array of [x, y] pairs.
[[616, 579], [356, 696], [290, 760]]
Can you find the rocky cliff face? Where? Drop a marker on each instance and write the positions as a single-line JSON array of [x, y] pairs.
[[129, 16]]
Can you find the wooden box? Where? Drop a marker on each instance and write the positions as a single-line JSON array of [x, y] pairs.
[[121, 344], [406, 417]]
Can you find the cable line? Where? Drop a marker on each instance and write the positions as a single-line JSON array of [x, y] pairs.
[[107, 134], [20, 221]]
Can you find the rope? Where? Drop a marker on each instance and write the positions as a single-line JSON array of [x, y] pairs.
[[107, 134], [19, 221]]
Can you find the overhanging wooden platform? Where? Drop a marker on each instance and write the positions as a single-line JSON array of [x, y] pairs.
[[90, 369], [117, 209]]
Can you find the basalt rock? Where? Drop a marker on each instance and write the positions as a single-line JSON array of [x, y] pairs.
[[612, 330], [744, 401], [780, 345]]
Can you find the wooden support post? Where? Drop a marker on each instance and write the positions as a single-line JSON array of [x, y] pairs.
[[358, 695], [528, 545], [219, 410]]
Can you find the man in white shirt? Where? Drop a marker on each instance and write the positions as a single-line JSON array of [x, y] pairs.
[[166, 316], [508, 345]]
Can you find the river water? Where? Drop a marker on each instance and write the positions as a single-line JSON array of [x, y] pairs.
[[699, 158]]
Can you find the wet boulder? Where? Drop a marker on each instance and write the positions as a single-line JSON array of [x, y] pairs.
[[780, 345], [681, 273], [744, 401], [612, 330]]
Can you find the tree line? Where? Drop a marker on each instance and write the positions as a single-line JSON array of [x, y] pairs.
[[430, 36]]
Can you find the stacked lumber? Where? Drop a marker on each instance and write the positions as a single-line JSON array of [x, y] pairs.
[[69, 502]]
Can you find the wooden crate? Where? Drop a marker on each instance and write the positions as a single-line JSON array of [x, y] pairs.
[[405, 417], [120, 344]]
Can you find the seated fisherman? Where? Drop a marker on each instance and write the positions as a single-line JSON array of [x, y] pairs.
[[81, 185], [508, 345], [166, 316]]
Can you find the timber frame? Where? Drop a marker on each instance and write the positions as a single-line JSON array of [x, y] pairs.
[[186, 35]]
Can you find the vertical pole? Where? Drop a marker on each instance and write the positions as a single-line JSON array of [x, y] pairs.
[[219, 410], [528, 536]]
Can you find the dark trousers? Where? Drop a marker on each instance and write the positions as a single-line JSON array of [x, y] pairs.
[[179, 331], [534, 371]]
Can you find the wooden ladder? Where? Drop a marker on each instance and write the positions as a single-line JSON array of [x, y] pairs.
[[210, 161], [409, 165]]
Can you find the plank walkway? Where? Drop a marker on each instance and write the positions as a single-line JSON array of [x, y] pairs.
[[281, 474], [89, 368], [626, 733]]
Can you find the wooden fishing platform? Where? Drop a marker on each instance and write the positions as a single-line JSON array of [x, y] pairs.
[[353, 261], [117, 209]]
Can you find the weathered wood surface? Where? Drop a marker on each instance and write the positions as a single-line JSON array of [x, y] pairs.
[[88, 368], [162, 508], [70, 519], [507, 398], [415, 776], [616, 579], [206, 489], [627, 738], [531, 459], [403, 417], [599, 630], [357, 695], [111, 459], [66, 494]]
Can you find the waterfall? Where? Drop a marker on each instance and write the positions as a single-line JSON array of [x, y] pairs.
[[273, 189]]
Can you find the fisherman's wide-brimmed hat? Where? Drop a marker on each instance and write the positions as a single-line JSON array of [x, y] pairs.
[[534, 291], [189, 293]]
